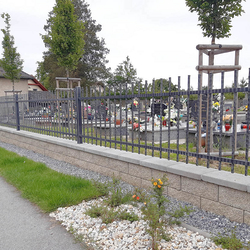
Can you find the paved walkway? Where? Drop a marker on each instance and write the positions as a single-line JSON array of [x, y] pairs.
[[24, 227]]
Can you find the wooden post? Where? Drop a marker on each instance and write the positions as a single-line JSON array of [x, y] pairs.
[[209, 109], [200, 101], [236, 62], [211, 50]]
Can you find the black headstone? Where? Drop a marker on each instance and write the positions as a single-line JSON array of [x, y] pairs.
[[158, 109], [193, 107], [99, 108]]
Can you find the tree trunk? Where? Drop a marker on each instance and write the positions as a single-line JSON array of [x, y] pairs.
[[13, 87]]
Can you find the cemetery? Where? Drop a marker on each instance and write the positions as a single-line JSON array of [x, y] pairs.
[[193, 137]]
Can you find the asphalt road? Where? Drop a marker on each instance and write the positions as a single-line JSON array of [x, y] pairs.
[[24, 227]]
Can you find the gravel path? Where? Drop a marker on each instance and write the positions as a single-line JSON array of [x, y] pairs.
[[204, 222]]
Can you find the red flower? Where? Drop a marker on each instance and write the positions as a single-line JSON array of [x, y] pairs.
[[137, 198]]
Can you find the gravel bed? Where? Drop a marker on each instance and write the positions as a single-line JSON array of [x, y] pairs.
[[201, 220]]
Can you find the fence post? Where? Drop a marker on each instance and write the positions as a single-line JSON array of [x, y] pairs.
[[78, 115], [17, 113]]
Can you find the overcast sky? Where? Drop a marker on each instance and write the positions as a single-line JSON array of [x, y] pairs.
[[160, 37]]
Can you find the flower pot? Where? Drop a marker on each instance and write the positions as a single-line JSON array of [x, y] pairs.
[[203, 141], [119, 122], [135, 125], [227, 126], [164, 123]]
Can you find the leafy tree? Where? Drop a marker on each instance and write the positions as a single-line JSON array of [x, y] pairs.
[[241, 95], [11, 61], [66, 37], [243, 83], [215, 16], [165, 85], [124, 73], [42, 75], [91, 67]]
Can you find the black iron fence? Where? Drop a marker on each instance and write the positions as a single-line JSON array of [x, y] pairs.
[[204, 127]]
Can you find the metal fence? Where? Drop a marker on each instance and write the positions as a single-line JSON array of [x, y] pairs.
[[157, 119]]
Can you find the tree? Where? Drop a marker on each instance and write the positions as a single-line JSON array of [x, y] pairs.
[[42, 75], [165, 85], [66, 37], [11, 61], [125, 73], [215, 16], [91, 67]]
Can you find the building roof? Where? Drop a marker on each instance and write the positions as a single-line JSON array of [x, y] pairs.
[[37, 83], [23, 74], [26, 76]]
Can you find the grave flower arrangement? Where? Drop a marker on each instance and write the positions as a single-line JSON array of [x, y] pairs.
[[88, 109], [173, 116], [216, 107], [136, 125], [228, 119], [135, 103]]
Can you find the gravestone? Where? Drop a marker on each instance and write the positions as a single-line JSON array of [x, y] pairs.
[[245, 102], [158, 109], [193, 107], [177, 104], [99, 109]]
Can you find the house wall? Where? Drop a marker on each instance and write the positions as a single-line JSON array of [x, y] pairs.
[[220, 192], [33, 87], [6, 84]]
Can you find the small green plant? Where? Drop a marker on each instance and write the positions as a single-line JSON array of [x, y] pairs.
[[109, 214], [123, 215], [116, 197], [103, 188], [158, 189], [95, 211], [154, 211], [228, 241], [139, 196], [174, 216], [155, 224]]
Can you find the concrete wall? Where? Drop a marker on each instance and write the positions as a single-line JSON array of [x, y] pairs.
[[220, 192]]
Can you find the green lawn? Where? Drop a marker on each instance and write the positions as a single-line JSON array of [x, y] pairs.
[[43, 186]]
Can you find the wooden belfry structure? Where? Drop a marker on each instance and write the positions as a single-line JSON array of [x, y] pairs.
[[69, 81], [211, 50]]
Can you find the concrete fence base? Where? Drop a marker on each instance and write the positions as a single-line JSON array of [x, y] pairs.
[[216, 191]]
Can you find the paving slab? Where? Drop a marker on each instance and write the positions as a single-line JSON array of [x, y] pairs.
[[24, 227]]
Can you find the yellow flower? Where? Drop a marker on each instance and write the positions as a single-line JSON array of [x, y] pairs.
[[155, 183], [159, 186], [134, 196], [160, 182]]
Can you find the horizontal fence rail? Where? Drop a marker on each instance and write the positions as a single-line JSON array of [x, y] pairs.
[[159, 119]]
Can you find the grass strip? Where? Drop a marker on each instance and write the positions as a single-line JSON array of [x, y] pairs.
[[42, 185]]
